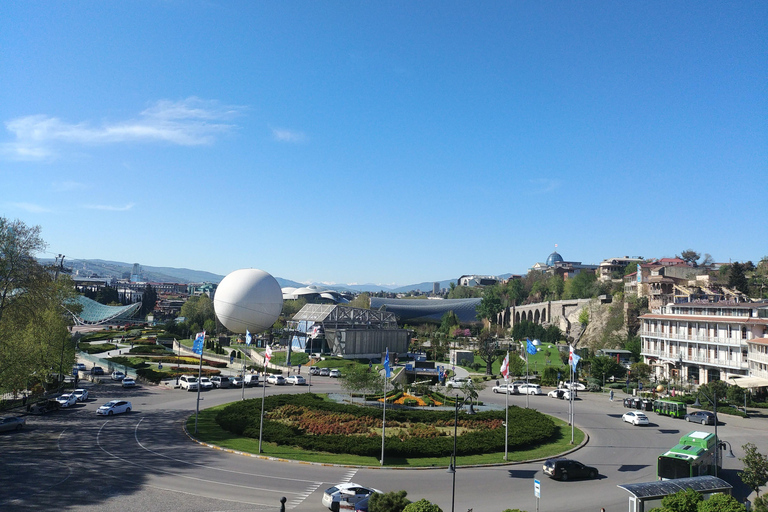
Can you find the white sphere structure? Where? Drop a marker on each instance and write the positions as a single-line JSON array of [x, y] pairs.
[[249, 299]]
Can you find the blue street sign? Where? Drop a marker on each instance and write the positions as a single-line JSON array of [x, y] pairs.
[[537, 488]]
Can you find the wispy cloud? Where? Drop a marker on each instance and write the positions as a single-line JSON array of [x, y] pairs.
[[109, 207], [188, 122], [283, 135], [31, 207], [544, 185]]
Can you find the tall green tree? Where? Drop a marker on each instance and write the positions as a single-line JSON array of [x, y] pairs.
[[487, 350], [737, 278], [148, 300], [395, 501], [755, 474], [362, 379], [198, 309], [491, 304]]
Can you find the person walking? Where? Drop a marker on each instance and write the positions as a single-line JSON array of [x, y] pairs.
[[611, 395]]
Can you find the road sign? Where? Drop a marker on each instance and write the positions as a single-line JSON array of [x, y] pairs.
[[537, 488]]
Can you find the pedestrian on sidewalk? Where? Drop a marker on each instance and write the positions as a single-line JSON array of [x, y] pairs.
[[611, 395]]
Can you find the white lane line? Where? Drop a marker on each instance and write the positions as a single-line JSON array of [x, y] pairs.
[[155, 470]]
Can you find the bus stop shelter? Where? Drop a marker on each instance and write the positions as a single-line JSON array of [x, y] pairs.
[[647, 495]]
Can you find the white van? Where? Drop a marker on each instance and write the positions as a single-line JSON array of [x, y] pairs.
[[251, 380], [188, 382]]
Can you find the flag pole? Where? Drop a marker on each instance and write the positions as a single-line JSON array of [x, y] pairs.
[[384, 414], [199, 373], [506, 416], [527, 392]]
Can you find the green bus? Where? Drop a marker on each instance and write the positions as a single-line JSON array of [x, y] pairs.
[[670, 408], [693, 456]]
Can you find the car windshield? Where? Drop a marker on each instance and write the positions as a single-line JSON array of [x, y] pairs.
[[331, 490]]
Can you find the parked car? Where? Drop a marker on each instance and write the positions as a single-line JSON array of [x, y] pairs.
[[314, 370], [67, 400], [568, 469], [114, 407], [79, 367], [45, 406], [324, 372], [296, 380], [205, 383], [188, 382], [578, 386], [349, 493], [456, 382], [129, 382], [236, 382], [81, 394], [519, 383], [251, 379], [220, 382], [531, 389], [509, 389], [335, 373], [118, 375], [8, 423], [635, 418], [703, 417], [97, 370], [277, 380]]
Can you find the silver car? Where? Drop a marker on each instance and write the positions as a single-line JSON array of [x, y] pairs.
[[114, 407], [8, 423]]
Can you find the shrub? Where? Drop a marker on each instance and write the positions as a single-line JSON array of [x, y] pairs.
[[422, 506]]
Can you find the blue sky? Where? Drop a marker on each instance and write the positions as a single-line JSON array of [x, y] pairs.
[[385, 142]]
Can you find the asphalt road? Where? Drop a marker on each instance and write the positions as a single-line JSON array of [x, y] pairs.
[[76, 460]]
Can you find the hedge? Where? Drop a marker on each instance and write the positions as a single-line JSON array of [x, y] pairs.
[[527, 427]]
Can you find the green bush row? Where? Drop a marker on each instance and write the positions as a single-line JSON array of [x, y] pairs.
[[96, 348], [527, 428]]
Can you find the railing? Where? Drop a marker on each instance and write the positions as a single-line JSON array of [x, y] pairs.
[[697, 359], [695, 338]]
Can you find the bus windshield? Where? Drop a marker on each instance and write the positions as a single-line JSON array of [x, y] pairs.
[[671, 467]]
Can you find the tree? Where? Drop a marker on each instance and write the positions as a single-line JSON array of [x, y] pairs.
[[360, 379], [682, 501], [198, 309], [760, 504], [395, 501], [486, 349], [721, 503], [755, 473], [362, 301], [604, 366], [640, 371], [422, 506], [690, 256], [448, 322], [19, 271], [583, 285], [737, 278], [584, 317], [490, 306], [148, 300], [634, 345]]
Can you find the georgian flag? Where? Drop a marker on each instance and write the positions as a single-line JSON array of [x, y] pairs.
[[268, 353], [505, 367]]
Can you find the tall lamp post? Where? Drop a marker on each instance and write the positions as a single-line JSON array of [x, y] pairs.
[[452, 467]]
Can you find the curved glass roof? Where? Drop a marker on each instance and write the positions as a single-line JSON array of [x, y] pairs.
[[95, 313], [554, 258], [428, 309]]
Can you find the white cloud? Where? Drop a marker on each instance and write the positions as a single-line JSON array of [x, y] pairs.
[[283, 135], [31, 207], [188, 122], [110, 207]]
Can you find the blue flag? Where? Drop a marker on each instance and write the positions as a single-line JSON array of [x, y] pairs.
[[387, 371], [575, 360], [531, 347], [247, 337], [197, 346]]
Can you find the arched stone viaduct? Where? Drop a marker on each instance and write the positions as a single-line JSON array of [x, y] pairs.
[[558, 312]]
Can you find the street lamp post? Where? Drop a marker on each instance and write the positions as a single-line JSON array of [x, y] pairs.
[[452, 467]]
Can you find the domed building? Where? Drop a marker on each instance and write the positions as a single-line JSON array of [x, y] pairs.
[[554, 258], [556, 264]]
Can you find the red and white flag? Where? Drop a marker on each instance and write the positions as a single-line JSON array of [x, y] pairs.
[[505, 367], [268, 353]]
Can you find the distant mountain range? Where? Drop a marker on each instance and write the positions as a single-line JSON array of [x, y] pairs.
[[122, 270]]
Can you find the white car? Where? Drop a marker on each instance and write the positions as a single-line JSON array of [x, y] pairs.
[[188, 382], [296, 380], [531, 389], [335, 373], [67, 399], [81, 394], [205, 383], [277, 380], [563, 394], [509, 389], [578, 386], [114, 407], [129, 382], [457, 382], [345, 496], [118, 375], [635, 418]]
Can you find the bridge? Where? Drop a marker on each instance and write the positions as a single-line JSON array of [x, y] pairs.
[[563, 313]]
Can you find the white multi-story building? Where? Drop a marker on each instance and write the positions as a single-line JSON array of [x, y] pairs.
[[697, 342], [757, 356]]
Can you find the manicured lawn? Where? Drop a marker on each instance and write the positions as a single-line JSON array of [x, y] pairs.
[[208, 431]]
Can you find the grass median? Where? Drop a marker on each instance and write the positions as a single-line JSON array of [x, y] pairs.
[[208, 431]]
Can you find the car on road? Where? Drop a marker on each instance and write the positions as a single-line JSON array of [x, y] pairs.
[[346, 495], [128, 383], [324, 372], [81, 394], [457, 382], [314, 370], [118, 375], [45, 406], [578, 386], [635, 418], [80, 367], [97, 370], [205, 383], [530, 389], [188, 382], [703, 417], [277, 380], [114, 407], [509, 389], [335, 373], [236, 382], [9, 423], [251, 380], [220, 382], [568, 469], [563, 394], [67, 399], [296, 380]]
